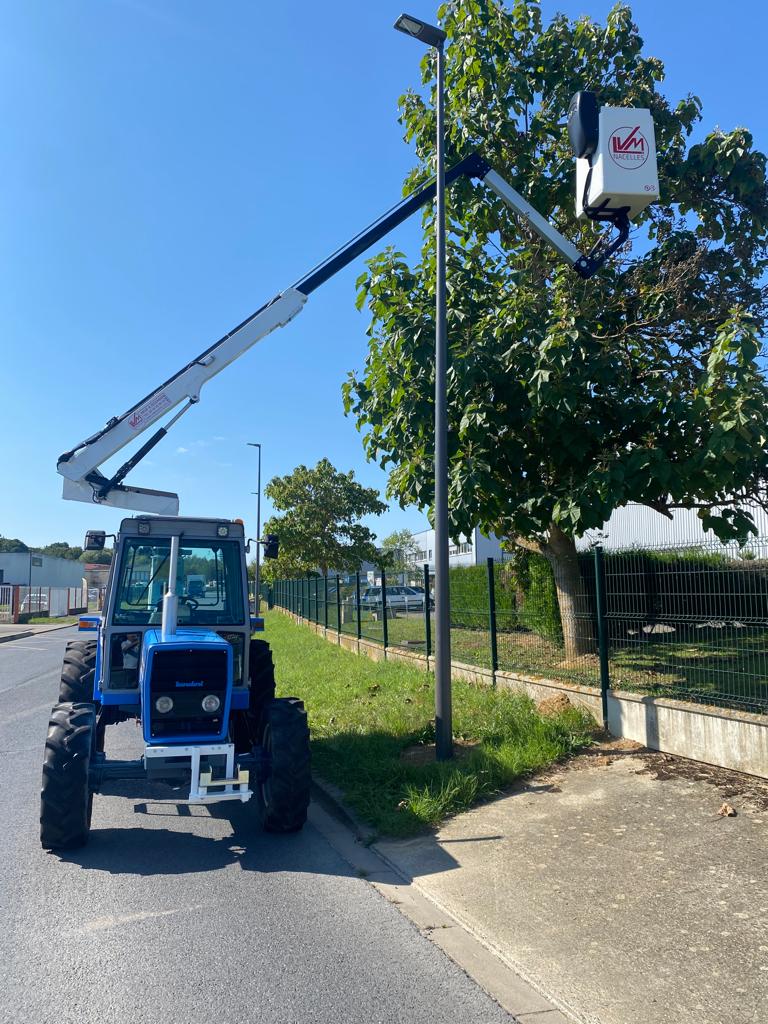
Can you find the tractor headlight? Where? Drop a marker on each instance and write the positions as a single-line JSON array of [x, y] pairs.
[[164, 704], [211, 703]]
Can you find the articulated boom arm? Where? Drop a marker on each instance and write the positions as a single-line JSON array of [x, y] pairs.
[[83, 480]]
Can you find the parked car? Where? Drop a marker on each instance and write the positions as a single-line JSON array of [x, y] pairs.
[[406, 599], [35, 602]]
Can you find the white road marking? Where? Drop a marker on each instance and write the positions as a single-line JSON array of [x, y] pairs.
[[18, 647], [99, 924]]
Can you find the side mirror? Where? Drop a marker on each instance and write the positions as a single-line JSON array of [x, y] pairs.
[[95, 540], [271, 545]]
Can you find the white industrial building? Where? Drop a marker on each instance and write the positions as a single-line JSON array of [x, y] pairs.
[[472, 550], [637, 526], [20, 568]]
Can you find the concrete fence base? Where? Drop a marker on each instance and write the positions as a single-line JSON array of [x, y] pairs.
[[730, 739]]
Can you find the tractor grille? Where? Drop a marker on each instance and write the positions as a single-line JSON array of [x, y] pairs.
[[186, 676]]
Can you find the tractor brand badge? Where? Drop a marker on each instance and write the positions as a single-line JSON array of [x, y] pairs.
[[628, 147]]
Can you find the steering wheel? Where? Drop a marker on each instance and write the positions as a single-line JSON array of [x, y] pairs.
[[183, 599]]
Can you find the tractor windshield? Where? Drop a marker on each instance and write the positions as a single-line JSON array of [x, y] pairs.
[[208, 582]]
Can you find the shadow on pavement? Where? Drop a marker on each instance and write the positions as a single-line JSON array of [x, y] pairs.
[[140, 850]]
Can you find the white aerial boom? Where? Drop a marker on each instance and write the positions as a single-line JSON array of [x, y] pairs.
[[83, 480]]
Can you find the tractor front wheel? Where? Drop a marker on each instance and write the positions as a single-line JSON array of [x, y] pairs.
[[65, 797], [78, 671], [261, 680], [285, 791]]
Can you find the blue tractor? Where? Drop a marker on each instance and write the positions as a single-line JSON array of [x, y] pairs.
[[187, 668]]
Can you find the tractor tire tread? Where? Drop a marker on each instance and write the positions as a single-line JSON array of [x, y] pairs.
[[284, 801], [78, 671], [65, 800]]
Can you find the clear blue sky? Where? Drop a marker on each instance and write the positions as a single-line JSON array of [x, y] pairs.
[[171, 164]]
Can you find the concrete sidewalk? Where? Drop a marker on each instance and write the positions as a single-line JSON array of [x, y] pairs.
[[18, 631], [615, 887]]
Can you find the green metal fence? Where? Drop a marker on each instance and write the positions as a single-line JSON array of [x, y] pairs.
[[685, 622]]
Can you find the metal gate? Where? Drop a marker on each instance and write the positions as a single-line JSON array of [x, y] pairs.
[[6, 603]]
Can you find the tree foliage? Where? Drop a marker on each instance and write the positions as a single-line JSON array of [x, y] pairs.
[[568, 399], [12, 545], [61, 549], [319, 529], [103, 557], [397, 551]]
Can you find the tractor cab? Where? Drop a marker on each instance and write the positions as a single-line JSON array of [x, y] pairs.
[[211, 587]]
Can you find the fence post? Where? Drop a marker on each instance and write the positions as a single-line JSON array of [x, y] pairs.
[[325, 601], [427, 613], [384, 616], [492, 619], [602, 632], [357, 601], [317, 600], [338, 604]]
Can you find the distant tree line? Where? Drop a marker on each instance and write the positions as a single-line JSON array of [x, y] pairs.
[[58, 549]]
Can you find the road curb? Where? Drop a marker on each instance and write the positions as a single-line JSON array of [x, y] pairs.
[[355, 841], [331, 798], [7, 637], [51, 629], [27, 633]]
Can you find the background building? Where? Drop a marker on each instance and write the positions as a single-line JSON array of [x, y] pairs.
[[20, 568], [637, 526], [472, 550]]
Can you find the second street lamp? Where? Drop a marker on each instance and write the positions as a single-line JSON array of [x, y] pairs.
[[433, 36], [255, 444]]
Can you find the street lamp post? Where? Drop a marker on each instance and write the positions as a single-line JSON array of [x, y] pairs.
[[255, 444], [433, 36]]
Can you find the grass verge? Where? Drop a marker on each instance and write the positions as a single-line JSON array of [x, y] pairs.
[[47, 620], [364, 715]]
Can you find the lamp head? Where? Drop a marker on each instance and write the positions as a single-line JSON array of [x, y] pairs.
[[421, 30]]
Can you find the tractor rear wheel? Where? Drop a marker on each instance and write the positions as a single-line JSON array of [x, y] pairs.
[[65, 797], [78, 671], [285, 791]]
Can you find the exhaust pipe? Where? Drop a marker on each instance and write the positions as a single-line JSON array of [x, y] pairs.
[[170, 598]]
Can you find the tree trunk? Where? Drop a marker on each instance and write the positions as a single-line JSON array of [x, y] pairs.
[[560, 551]]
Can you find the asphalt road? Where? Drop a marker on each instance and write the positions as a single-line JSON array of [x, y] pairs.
[[190, 915]]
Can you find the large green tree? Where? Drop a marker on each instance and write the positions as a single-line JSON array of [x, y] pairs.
[[320, 528], [568, 399]]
